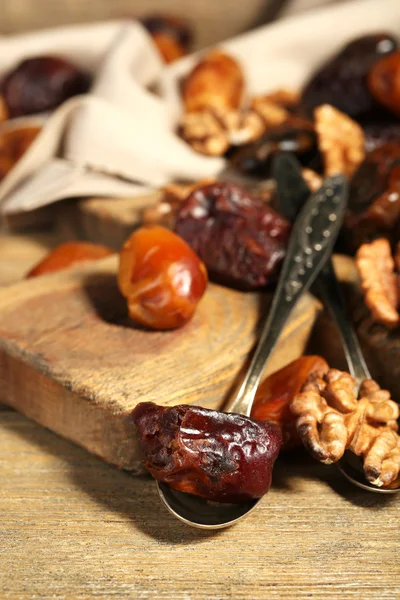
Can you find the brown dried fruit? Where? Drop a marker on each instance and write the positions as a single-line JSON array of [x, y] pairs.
[[276, 392], [161, 278], [3, 110], [224, 457], [331, 419], [13, 144], [216, 82], [384, 81], [164, 212], [341, 141], [379, 282], [172, 36], [41, 84], [69, 254]]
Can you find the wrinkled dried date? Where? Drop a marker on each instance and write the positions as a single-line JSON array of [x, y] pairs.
[[380, 133], [241, 240], [256, 158], [41, 84], [218, 456], [342, 81]]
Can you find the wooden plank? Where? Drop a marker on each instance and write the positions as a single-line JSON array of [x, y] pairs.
[[108, 221], [71, 360], [73, 528]]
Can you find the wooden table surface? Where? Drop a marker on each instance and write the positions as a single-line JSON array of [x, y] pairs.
[[73, 527]]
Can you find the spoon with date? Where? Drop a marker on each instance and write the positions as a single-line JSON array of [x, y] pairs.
[[211, 467], [370, 418]]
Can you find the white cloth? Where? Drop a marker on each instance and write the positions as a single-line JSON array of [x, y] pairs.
[[119, 140]]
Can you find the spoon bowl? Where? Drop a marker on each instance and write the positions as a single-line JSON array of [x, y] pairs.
[[203, 514], [310, 245]]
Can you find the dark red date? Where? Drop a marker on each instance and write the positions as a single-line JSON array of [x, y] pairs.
[[223, 457], [297, 137], [41, 84], [342, 81], [240, 239]]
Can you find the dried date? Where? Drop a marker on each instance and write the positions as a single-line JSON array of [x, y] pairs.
[[276, 392], [41, 84], [172, 36], [224, 457], [297, 137], [342, 81], [161, 277], [384, 82], [241, 240]]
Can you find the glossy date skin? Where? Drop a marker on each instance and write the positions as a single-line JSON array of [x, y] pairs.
[[275, 393], [224, 457], [41, 84], [161, 277], [241, 240], [343, 80], [67, 255]]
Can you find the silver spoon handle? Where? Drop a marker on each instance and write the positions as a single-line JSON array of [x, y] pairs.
[[310, 245], [331, 294]]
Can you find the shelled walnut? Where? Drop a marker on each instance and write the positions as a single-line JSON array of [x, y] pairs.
[[332, 418], [340, 139], [379, 281]]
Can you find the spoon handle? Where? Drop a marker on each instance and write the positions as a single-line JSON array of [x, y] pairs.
[[310, 245], [332, 297]]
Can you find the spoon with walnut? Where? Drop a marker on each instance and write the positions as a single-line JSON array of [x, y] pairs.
[[366, 420], [224, 459]]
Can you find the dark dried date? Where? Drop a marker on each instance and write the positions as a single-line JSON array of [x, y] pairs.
[[41, 84], [374, 200], [223, 457], [342, 81], [256, 158], [240, 239]]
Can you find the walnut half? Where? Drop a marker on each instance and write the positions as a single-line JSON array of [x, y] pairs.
[[332, 419], [379, 281]]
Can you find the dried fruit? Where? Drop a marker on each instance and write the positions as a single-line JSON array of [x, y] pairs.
[[13, 144], [219, 456], [69, 254], [342, 81], [374, 196], [240, 239], [332, 419], [380, 133], [275, 393], [216, 82], [41, 84], [379, 281], [172, 36], [384, 82], [283, 97], [161, 277], [296, 136], [340, 140]]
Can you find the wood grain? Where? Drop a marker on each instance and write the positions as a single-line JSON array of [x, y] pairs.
[[71, 360], [108, 221], [73, 527]]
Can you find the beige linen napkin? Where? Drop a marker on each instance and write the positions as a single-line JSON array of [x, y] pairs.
[[119, 140]]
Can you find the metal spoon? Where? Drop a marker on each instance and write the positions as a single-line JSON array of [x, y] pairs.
[[292, 193], [311, 242]]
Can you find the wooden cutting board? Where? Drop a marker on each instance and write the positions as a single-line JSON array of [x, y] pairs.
[[71, 360]]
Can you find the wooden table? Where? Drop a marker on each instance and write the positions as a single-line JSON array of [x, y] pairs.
[[73, 527]]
